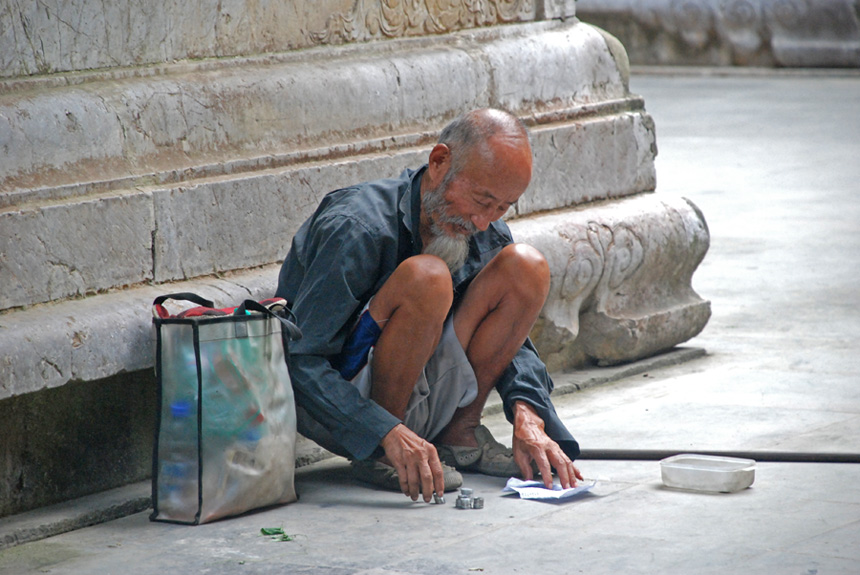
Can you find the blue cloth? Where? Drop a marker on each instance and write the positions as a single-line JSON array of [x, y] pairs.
[[340, 257], [354, 354]]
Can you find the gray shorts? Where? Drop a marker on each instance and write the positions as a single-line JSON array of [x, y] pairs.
[[447, 383]]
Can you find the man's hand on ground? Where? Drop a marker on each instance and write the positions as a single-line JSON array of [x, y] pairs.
[[531, 443], [416, 462]]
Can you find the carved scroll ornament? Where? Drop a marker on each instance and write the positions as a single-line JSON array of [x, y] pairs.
[[375, 19]]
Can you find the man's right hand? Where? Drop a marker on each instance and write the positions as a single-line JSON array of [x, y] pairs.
[[531, 443], [416, 462]]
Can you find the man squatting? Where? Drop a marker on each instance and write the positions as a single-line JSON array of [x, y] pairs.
[[415, 303]]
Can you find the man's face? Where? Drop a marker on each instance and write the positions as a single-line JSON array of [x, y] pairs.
[[438, 206], [468, 200]]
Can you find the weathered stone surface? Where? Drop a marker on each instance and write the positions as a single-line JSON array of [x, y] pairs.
[[286, 139], [193, 139], [568, 65], [64, 250], [226, 223], [87, 339], [599, 158], [621, 279], [549, 9], [231, 224], [61, 36], [245, 222], [222, 224], [621, 291], [192, 121], [73, 440], [803, 33]]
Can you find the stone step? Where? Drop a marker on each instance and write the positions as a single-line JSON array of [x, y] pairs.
[[136, 497], [207, 169], [122, 127], [92, 338], [174, 232], [629, 261]]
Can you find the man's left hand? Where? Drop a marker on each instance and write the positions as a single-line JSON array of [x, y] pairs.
[[531, 443]]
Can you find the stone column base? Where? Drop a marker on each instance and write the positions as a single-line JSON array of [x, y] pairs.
[[621, 279]]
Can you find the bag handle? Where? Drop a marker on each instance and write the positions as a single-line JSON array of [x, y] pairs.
[[187, 296], [159, 312], [293, 331]]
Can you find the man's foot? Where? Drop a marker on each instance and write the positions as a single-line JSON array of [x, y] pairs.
[[489, 458], [385, 476]]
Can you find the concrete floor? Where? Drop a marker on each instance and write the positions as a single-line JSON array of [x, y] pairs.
[[773, 161]]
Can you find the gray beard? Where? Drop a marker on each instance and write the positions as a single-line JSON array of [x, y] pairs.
[[452, 250]]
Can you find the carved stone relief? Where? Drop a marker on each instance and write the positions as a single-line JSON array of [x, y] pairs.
[[621, 273], [56, 36], [736, 32], [398, 18]]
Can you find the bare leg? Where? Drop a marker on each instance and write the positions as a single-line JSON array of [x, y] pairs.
[[492, 323], [411, 309]]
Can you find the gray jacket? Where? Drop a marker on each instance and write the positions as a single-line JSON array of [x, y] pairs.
[[339, 258]]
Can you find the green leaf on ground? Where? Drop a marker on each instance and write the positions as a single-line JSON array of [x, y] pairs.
[[277, 534]]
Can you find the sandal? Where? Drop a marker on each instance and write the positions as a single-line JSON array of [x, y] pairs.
[[489, 458], [385, 476]]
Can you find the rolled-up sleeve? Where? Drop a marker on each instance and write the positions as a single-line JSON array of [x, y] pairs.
[[526, 379]]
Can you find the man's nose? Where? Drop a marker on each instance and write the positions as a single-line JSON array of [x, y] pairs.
[[481, 221]]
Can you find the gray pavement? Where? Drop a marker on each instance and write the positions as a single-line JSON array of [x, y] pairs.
[[773, 161]]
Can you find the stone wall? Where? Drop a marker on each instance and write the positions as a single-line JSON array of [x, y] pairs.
[[781, 33], [74, 35], [148, 152]]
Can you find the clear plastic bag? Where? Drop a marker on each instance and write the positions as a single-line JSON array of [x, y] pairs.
[[227, 421]]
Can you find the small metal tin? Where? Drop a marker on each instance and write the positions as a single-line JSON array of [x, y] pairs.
[[438, 499], [466, 501]]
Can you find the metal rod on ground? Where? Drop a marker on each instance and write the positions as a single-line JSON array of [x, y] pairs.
[[774, 456]]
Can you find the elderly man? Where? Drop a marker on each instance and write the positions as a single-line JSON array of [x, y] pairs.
[[415, 303]]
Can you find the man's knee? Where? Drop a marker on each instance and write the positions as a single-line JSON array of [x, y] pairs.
[[421, 281], [527, 269], [424, 275]]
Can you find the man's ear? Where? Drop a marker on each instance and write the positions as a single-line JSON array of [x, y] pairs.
[[439, 163]]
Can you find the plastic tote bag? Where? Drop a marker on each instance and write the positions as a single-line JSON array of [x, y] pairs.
[[226, 430]]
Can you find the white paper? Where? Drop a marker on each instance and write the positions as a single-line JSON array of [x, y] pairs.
[[536, 490]]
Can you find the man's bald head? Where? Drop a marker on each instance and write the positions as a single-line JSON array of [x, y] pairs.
[[481, 136]]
